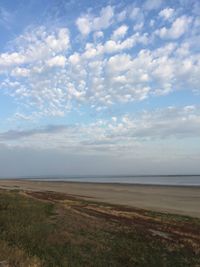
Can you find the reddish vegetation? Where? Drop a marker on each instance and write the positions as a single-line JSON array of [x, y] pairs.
[[56, 229], [171, 229]]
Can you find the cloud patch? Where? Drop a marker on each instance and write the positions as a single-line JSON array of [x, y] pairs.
[[88, 23], [115, 135]]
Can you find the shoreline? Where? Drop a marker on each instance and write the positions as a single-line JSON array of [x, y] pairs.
[[183, 200], [111, 183], [101, 183]]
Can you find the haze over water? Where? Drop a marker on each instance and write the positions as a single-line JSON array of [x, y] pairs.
[[175, 180]]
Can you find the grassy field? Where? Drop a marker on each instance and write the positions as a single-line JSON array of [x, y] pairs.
[[52, 229]]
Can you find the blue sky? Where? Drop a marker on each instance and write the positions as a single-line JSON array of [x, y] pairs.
[[116, 83]]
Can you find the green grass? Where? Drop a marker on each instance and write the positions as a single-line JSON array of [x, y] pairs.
[[49, 233]]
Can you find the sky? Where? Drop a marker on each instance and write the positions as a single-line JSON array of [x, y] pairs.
[[99, 87]]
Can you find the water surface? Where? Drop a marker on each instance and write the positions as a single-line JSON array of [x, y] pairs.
[[179, 180]]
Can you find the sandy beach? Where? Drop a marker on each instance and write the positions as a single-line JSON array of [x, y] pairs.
[[172, 199]]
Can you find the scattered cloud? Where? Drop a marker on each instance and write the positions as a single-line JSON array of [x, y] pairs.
[[120, 32], [47, 73], [179, 27], [57, 61], [90, 83], [36, 45], [88, 23], [117, 133], [46, 76], [166, 13]]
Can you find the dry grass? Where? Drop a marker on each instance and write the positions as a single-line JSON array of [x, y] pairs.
[[54, 229]]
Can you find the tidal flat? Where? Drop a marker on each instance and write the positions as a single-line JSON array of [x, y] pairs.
[[47, 228], [182, 200]]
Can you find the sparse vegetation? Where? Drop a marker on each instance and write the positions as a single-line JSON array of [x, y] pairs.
[[52, 229]]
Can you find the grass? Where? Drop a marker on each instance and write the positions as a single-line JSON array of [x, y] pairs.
[[50, 229]]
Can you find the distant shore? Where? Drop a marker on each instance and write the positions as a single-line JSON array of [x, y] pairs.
[[172, 199]]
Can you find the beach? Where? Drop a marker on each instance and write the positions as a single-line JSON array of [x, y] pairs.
[[182, 200]]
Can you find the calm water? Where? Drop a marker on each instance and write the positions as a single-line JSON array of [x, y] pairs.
[[153, 180]]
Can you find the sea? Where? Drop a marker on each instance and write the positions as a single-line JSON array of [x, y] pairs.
[[170, 180]]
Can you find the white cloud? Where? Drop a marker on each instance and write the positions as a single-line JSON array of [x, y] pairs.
[[119, 63], [138, 26], [122, 15], [36, 45], [152, 22], [15, 58], [178, 28], [59, 40], [57, 61], [166, 13], [111, 46], [20, 116], [88, 23], [135, 13], [104, 20], [23, 72], [113, 135], [98, 35], [74, 59], [83, 24], [120, 32]]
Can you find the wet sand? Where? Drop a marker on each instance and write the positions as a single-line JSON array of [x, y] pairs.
[[173, 199]]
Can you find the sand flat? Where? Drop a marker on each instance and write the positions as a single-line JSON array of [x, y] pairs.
[[173, 199]]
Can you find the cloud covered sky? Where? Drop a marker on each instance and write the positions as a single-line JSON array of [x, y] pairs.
[[99, 87]]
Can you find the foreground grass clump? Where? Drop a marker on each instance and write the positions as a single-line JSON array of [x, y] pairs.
[[50, 229]]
